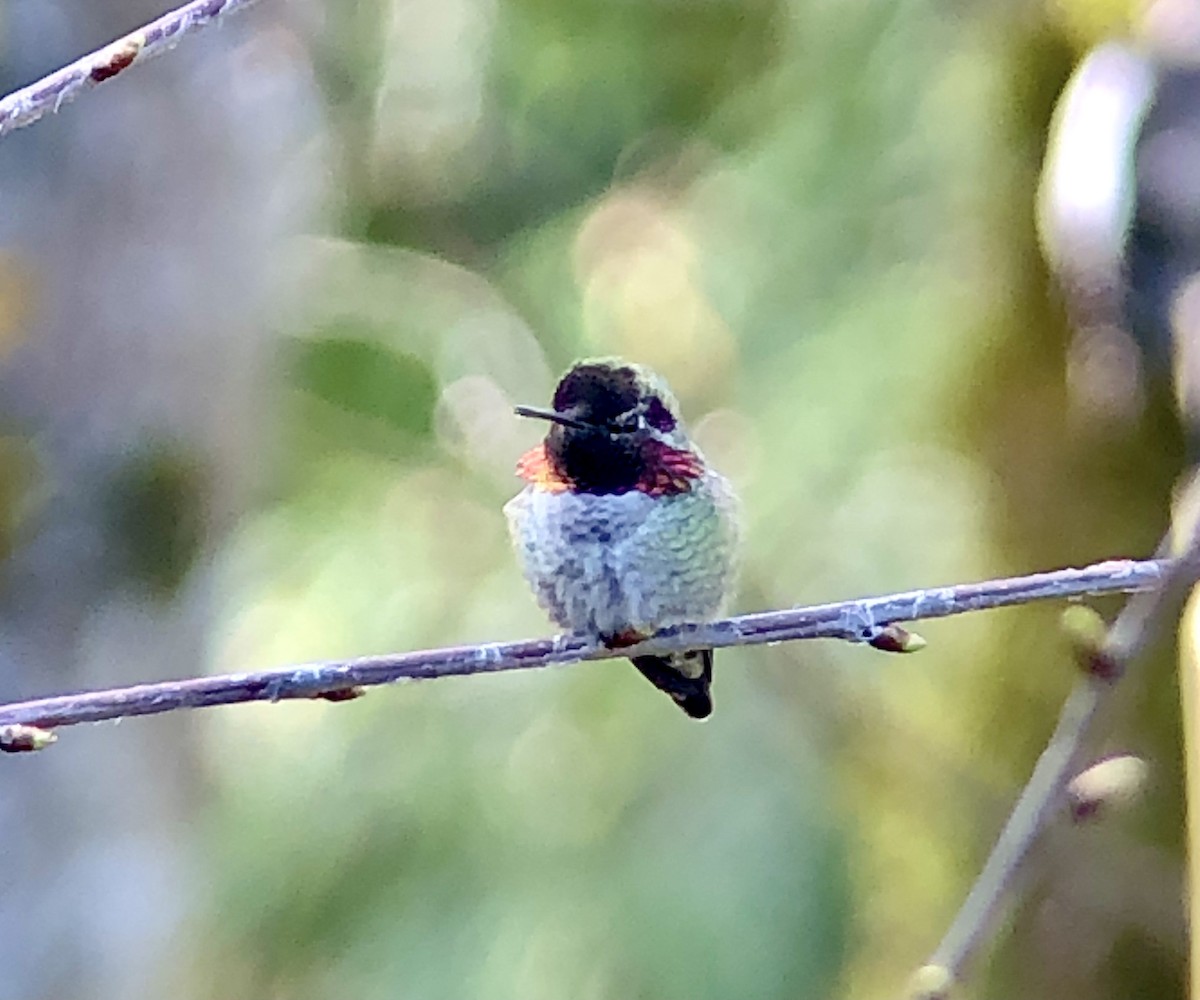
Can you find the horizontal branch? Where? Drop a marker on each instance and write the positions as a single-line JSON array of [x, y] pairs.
[[857, 621], [25, 106]]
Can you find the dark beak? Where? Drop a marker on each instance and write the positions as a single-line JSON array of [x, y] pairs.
[[552, 415]]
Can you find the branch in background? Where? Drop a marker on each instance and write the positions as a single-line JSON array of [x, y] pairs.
[[1104, 658], [25, 106], [872, 620]]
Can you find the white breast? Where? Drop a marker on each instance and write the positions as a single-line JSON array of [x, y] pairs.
[[626, 562]]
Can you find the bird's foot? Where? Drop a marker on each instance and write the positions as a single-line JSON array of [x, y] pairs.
[[620, 640]]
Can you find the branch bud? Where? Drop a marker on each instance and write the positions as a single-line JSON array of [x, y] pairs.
[[342, 694], [1110, 784], [931, 982], [1087, 634], [896, 639], [25, 739]]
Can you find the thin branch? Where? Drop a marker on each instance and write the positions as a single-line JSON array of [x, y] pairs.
[[25, 106], [1140, 621], [857, 621]]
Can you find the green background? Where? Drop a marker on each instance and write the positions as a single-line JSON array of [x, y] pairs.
[[815, 219]]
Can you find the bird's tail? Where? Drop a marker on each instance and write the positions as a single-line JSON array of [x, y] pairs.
[[686, 677]]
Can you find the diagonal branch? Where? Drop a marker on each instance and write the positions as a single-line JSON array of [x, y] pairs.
[[25, 106], [1142, 620], [861, 620]]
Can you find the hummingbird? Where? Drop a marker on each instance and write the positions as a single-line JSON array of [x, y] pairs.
[[623, 528]]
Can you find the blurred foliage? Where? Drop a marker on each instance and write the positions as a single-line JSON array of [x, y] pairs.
[[363, 396], [815, 219], [20, 480], [155, 507]]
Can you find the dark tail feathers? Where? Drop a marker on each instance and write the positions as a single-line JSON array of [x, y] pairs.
[[682, 678]]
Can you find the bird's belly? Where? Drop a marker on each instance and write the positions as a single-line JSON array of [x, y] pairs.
[[608, 565]]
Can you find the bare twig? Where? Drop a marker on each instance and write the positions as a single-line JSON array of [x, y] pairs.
[[857, 621], [1139, 622], [27, 105]]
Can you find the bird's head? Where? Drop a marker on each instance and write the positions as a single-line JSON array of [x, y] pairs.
[[612, 424]]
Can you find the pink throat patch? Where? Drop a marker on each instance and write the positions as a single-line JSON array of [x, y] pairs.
[[669, 471]]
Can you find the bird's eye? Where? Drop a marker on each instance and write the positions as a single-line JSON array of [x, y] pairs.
[[659, 417], [625, 423]]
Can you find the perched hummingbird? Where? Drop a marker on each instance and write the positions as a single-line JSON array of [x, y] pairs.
[[623, 528]]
